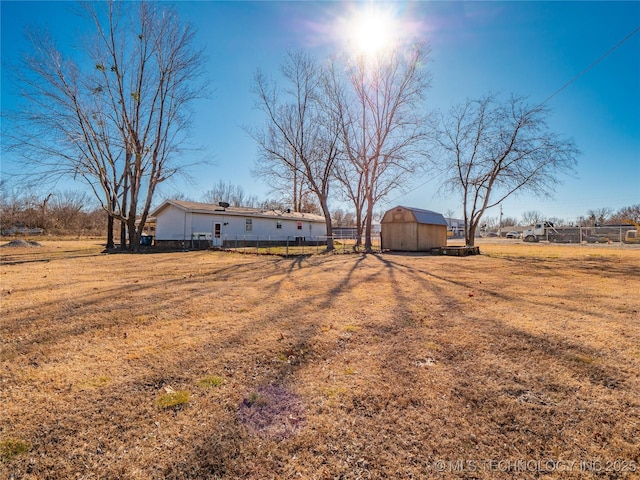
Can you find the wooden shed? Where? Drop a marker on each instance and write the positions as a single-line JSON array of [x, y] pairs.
[[413, 230]]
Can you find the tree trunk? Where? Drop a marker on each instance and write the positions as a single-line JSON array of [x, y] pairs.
[[123, 235], [358, 228], [111, 222], [110, 242], [327, 219], [471, 234], [134, 235], [368, 244]]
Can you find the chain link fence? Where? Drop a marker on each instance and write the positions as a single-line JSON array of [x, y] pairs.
[[286, 245]]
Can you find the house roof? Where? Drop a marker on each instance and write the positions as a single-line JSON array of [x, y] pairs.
[[425, 216], [212, 209]]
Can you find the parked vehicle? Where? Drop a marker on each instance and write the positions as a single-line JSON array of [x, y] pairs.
[[513, 235], [631, 236], [547, 231]]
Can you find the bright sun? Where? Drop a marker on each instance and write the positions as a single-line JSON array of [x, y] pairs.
[[372, 31]]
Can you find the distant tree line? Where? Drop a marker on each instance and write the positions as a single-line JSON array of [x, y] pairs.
[[75, 213], [607, 215], [57, 213], [593, 218]]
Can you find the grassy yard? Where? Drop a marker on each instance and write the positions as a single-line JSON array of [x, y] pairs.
[[523, 362]]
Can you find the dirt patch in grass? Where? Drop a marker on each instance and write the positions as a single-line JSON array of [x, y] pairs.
[[272, 412], [523, 362], [19, 243], [20, 251]]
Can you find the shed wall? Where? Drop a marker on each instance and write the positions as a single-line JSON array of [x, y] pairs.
[[400, 236], [431, 236]]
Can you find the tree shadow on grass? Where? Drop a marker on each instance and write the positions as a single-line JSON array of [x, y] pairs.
[[578, 358], [219, 446]]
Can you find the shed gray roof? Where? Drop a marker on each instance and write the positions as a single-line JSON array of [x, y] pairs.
[[426, 216]]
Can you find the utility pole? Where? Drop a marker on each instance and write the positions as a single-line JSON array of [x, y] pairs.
[[500, 224]]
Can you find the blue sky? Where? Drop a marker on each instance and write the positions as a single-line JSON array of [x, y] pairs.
[[528, 48]]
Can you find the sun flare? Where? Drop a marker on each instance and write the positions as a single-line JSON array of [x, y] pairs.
[[372, 31]]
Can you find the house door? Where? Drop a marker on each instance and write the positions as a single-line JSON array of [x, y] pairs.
[[216, 241]]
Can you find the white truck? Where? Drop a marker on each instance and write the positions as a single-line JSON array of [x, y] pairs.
[[547, 231]]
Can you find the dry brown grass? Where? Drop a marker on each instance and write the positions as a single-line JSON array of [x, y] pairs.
[[325, 366]]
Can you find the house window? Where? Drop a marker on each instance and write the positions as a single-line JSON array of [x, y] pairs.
[[299, 225], [279, 224], [248, 224]]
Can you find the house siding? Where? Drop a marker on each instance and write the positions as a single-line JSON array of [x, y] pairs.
[[175, 225]]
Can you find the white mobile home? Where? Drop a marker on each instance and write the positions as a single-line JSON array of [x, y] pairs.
[[191, 224]]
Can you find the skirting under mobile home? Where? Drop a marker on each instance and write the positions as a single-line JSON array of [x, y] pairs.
[[413, 230]]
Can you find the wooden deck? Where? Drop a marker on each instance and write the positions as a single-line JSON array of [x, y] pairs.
[[459, 251]]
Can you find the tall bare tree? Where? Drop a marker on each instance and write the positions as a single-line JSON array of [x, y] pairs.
[[377, 101], [116, 117], [531, 217], [300, 139], [491, 150]]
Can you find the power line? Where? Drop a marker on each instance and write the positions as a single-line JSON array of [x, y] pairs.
[[605, 55], [593, 64]]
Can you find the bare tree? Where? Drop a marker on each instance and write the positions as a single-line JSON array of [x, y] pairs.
[[66, 210], [282, 176], [599, 216], [491, 223], [376, 101], [627, 213], [11, 205], [300, 140], [232, 194], [491, 150], [509, 222], [117, 117], [532, 217]]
